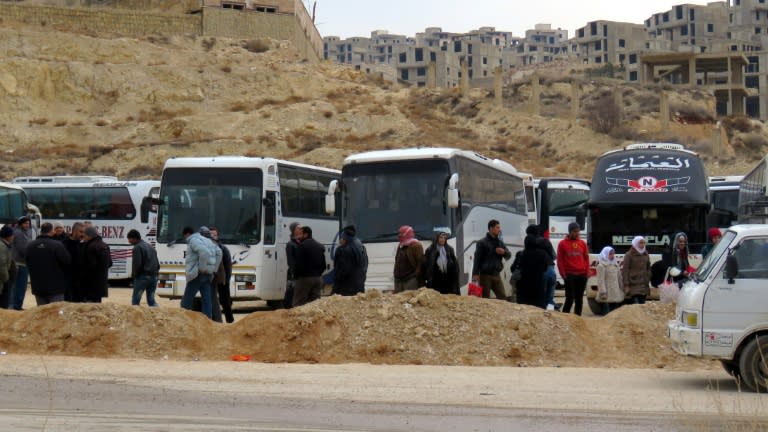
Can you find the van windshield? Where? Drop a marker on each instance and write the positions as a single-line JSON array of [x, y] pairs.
[[708, 265]]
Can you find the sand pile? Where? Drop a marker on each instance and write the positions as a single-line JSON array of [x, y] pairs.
[[420, 327]]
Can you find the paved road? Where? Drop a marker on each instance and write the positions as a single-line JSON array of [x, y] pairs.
[[75, 394]]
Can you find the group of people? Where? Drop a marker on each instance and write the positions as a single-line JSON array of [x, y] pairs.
[[306, 265], [70, 267], [208, 270]]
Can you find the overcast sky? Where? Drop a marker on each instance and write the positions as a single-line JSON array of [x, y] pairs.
[[347, 18]]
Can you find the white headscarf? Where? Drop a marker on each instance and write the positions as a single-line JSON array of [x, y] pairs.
[[603, 258], [636, 244]]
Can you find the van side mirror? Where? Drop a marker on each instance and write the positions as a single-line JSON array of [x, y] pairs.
[[731, 269]]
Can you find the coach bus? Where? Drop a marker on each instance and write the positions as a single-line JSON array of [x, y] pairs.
[[14, 204], [724, 201], [251, 201], [433, 190], [655, 190], [112, 206]]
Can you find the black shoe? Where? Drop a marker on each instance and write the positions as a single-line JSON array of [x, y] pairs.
[[230, 319]]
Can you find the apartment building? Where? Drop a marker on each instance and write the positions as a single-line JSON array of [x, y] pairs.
[[542, 44], [353, 51], [602, 42], [689, 28]]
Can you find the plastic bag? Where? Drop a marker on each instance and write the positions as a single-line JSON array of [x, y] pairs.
[[668, 292], [474, 289]]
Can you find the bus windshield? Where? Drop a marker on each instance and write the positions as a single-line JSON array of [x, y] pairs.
[[378, 198], [13, 204], [616, 226], [227, 198], [565, 202]]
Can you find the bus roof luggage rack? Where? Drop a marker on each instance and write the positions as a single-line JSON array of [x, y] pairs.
[[665, 146]]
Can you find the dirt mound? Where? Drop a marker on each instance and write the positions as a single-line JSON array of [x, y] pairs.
[[421, 327]]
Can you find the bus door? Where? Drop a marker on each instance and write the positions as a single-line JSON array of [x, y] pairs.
[[270, 288]]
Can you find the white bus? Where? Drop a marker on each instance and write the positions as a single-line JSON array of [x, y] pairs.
[[15, 204], [433, 190], [251, 201], [724, 201], [113, 206], [559, 201]]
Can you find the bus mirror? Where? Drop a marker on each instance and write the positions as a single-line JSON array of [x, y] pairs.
[[581, 217], [330, 197], [453, 198], [453, 191], [147, 204]]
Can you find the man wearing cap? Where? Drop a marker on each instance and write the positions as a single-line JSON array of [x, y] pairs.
[[350, 263], [573, 265], [202, 259], [7, 266], [97, 259], [144, 269], [48, 261], [291, 249], [22, 235], [58, 231]]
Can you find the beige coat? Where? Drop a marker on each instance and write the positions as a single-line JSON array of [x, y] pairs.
[[609, 281], [636, 272]]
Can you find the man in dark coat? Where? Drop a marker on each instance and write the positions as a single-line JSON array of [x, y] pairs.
[[350, 263], [488, 261], [442, 267], [291, 249], [531, 288], [222, 277], [47, 260], [96, 261], [310, 266], [74, 245]]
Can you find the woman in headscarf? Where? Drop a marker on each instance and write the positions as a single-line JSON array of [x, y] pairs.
[[677, 258], [533, 264], [442, 270], [636, 271], [610, 286]]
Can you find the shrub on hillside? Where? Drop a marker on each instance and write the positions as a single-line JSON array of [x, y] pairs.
[[257, 45], [754, 142], [603, 114]]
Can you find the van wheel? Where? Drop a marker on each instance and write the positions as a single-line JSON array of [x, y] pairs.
[[753, 364], [594, 306], [732, 367]]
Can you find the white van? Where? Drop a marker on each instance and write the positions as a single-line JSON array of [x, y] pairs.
[[722, 312]]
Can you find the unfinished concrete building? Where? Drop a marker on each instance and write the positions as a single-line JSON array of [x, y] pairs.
[[689, 28], [542, 44]]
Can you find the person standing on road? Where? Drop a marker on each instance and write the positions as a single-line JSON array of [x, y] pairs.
[[573, 265], [222, 277], [610, 285], [532, 286], [310, 266], [144, 269], [489, 255], [442, 267], [350, 263], [714, 235], [48, 262], [96, 261], [73, 243], [7, 266], [58, 231], [677, 257], [202, 259], [408, 261], [636, 271], [550, 277], [291, 248], [22, 235]]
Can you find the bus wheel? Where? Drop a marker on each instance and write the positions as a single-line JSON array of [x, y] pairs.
[[732, 367], [753, 364], [594, 306], [275, 304]]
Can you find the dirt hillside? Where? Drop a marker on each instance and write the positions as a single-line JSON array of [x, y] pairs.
[[73, 103], [419, 327]]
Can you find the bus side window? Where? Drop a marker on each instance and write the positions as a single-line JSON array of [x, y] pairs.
[[270, 227]]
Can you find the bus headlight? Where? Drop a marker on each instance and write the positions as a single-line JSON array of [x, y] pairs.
[[245, 282], [245, 278], [167, 276], [690, 319]]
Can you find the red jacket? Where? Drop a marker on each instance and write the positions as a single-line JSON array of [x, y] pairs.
[[572, 257]]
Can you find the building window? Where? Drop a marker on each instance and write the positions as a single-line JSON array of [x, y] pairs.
[[693, 30], [622, 57], [622, 43], [457, 46], [485, 60], [632, 58], [679, 12], [402, 58], [469, 48], [665, 17], [404, 74], [633, 76], [419, 54], [421, 84], [421, 71], [757, 30], [236, 6], [598, 46], [684, 31], [710, 28], [734, 47], [692, 15], [598, 59], [432, 56]]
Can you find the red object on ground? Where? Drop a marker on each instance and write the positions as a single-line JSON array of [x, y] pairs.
[[240, 357]]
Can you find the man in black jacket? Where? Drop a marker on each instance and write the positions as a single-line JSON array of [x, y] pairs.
[[291, 248], [310, 266], [489, 253], [144, 269], [47, 260], [96, 261], [350, 264]]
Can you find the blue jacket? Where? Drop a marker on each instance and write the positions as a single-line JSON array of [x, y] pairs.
[[203, 256]]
